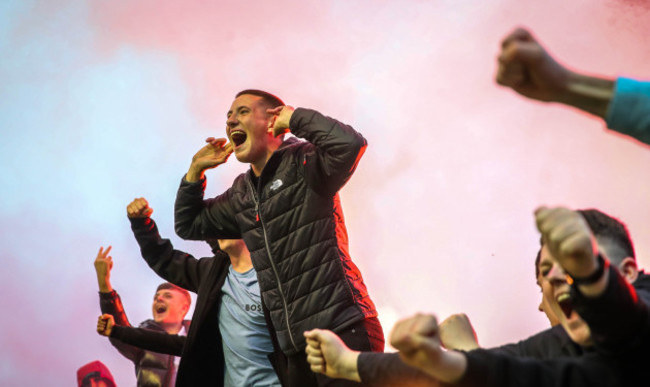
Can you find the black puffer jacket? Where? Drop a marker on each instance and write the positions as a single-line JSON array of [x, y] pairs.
[[151, 368], [292, 222]]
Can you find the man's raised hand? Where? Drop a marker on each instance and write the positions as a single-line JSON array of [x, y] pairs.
[[328, 355], [103, 266], [216, 152], [457, 332], [569, 239], [527, 68], [418, 340], [279, 123], [105, 324], [139, 208]]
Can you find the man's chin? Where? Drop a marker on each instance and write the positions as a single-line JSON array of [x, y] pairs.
[[241, 156]]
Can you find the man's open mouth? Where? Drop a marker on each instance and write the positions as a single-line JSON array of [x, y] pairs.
[[237, 137], [161, 309], [565, 304]]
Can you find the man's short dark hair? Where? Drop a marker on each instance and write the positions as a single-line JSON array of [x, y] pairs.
[[537, 260], [611, 233], [269, 99], [608, 231], [168, 285]]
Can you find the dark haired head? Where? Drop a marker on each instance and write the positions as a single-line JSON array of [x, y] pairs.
[[167, 285], [611, 234], [269, 99], [537, 259]]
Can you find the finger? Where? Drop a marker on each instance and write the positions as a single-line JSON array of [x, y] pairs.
[[313, 343], [317, 368], [519, 34], [228, 148], [512, 76], [316, 360], [108, 250], [523, 52], [216, 142], [555, 219], [313, 351], [275, 110], [312, 334]]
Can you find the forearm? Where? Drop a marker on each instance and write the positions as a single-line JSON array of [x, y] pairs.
[[194, 174], [338, 147], [198, 219], [450, 368], [111, 303], [174, 266], [387, 369], [489, 369], [589, 93], [616, 316], [149, 340], [104, 284]]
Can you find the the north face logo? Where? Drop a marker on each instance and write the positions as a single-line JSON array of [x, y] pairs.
[[276, 184]]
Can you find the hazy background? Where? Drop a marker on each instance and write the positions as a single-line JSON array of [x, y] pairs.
[[103, 101]]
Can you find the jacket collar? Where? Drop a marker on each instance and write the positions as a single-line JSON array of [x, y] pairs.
[[273, 162]]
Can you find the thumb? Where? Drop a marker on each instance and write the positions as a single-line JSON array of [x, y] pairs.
[[275, 110]]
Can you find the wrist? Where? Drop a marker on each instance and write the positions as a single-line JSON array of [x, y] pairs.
[[105, 286], [592, 275], [350, 368], [194, 174], [588, 93]]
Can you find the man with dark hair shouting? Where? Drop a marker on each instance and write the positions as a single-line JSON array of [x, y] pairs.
[[287, 210]]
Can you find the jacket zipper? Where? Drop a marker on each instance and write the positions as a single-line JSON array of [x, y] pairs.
[[275, 270]]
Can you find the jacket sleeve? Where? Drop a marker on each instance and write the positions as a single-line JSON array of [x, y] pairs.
[[618, 319], [337, 149], [619, 323], [198, 219], [149, 340], [175, 266], [629, 110], [547, 344], [487, 368], [387, 369], [111, 303]]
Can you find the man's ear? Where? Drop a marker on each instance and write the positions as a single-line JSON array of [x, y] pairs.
[[629, 269]]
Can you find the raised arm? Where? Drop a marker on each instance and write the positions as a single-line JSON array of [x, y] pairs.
[[160, 342], [175, 266], [327, 354], [527, 68], [195, 218], [616, 316], [110, 302], [337, 147]]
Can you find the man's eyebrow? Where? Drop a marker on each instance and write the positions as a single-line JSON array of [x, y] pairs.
[[238, 109]]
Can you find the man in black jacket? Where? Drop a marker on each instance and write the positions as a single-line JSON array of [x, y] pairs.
[[170, 305], [244, 347], [619, 322], [571, 337], [287, 210]]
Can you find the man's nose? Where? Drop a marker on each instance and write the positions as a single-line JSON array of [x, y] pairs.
[[231, 121], [557, 273]]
